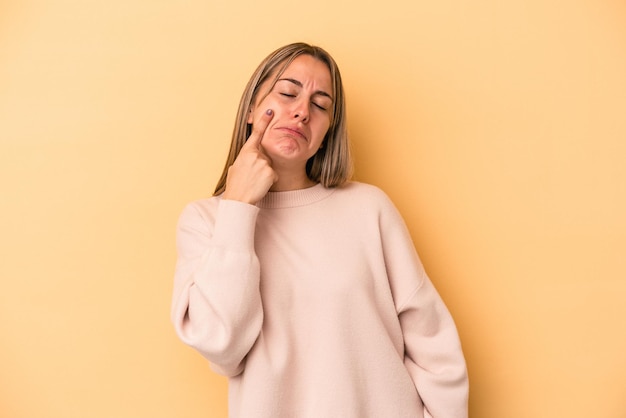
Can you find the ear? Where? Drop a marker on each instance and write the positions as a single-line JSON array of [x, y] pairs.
[[251, 115]]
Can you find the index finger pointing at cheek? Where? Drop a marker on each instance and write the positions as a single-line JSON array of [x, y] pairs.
[[258, 128]]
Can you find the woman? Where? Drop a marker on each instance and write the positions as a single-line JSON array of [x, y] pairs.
[[302, 287]]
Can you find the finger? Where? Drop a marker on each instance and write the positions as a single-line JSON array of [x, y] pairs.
[[263, 154], [258, 129]]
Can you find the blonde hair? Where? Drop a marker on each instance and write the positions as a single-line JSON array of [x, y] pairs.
[[332, 164]]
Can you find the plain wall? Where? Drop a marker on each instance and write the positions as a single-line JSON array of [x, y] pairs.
[[498, 128]]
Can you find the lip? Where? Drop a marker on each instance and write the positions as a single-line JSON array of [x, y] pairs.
[[294, 130]]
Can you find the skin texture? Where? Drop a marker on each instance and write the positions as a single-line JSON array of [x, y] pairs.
[[289, 124]]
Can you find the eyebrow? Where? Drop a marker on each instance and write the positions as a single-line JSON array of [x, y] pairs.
[[299, 84]]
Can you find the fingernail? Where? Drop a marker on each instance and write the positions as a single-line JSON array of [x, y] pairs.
[[268, 112]]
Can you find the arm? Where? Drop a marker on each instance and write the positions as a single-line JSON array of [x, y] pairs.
[[433, 354], [216, 306]]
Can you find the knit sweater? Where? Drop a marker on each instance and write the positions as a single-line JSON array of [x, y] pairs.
[[315, 304]]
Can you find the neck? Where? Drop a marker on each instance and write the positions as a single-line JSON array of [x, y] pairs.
[[291, 181]]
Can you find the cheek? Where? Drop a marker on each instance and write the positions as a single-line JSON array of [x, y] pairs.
[[259, 108], [324, 127]]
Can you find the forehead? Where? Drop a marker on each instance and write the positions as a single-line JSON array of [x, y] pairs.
[[309, 71]]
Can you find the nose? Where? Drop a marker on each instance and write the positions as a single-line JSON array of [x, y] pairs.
[[301, 111]]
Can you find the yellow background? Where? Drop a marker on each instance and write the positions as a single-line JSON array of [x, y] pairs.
[[497, 127]]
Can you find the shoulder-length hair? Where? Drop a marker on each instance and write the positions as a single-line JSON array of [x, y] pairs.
[[332, 164]]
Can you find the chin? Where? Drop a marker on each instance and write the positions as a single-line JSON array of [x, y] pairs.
[[286, 147]]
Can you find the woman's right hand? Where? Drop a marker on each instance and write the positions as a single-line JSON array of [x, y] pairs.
[[251, 175]]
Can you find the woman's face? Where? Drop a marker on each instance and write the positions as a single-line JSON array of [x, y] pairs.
[[302, 102]]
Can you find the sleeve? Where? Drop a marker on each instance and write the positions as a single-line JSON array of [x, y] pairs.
[[433, 354], [216, 304]]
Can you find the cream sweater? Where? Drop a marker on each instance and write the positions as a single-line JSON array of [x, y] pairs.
[[314, 303]]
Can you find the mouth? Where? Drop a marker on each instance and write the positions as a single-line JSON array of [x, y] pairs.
[[294, 132]]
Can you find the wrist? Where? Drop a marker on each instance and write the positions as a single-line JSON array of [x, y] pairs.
[[239, 198]]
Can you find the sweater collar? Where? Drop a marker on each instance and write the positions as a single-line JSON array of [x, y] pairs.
[[293, 198]]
